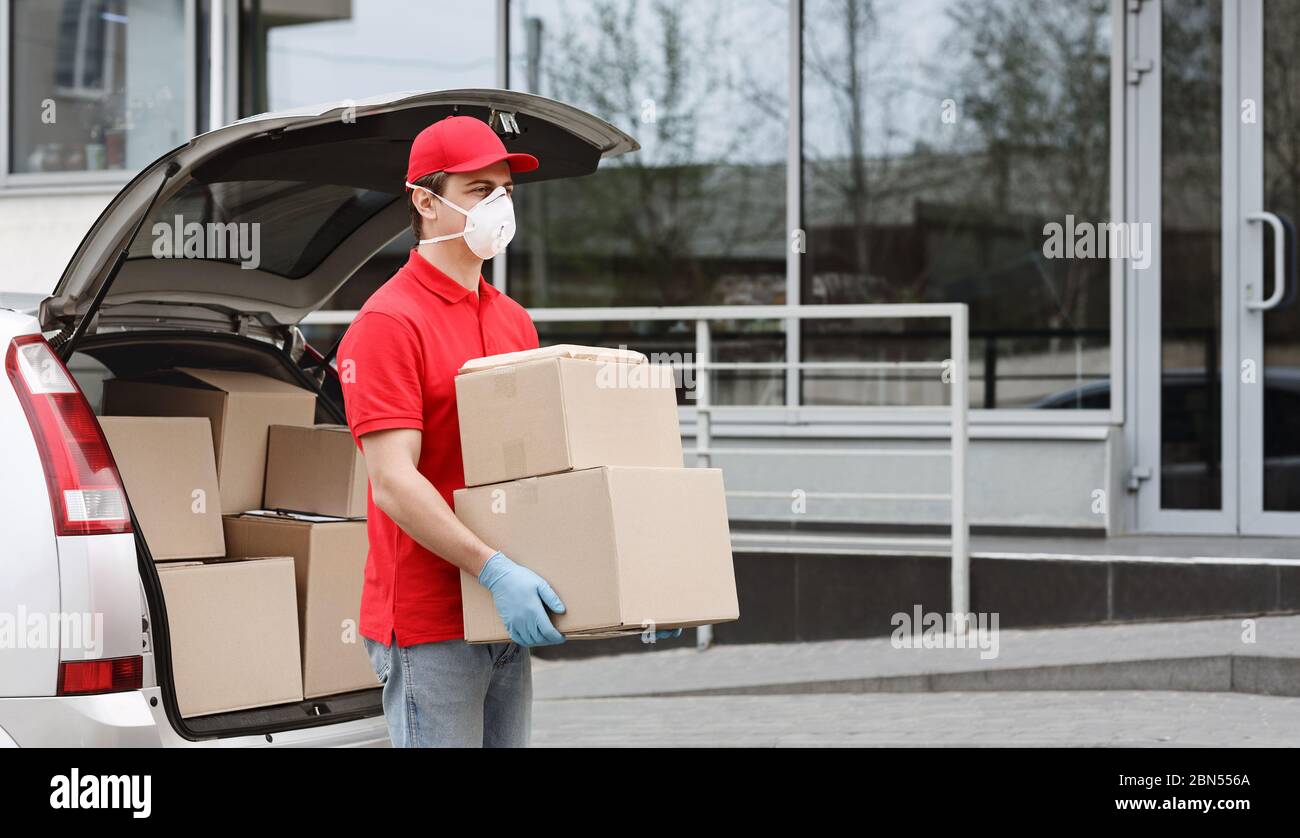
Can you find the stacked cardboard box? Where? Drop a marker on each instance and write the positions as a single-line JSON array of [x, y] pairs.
[[170, 474], [233, 625], [315, 512], [329, 559], [315, 469], [241, 407], [269, 615], [573, 467]]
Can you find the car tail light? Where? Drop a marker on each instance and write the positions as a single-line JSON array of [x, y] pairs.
[[111, 675], [85, 489]]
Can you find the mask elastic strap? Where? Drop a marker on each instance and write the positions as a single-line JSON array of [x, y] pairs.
[[440, 238], [469, 225]]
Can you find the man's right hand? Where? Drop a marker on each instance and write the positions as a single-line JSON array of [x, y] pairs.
[[521, 598]]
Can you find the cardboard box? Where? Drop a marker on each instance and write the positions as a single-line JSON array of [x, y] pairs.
[[625, 548], [316, 469], [564, 408], [175, 497], [234, 633], [241, 407], [329, 568]]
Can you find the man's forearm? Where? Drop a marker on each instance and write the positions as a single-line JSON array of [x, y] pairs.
[[417, 507]]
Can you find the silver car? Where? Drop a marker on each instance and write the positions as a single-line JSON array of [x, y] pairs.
[[324, 185]]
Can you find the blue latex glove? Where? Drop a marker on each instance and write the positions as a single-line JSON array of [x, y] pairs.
[[664, 634], [521, 598]]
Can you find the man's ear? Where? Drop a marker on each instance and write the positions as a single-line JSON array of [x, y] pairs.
[[425, 204]]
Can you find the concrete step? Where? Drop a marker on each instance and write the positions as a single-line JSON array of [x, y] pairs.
[[819, 587], [1246, 674]]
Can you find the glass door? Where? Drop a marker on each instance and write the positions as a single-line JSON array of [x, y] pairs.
[[1269, 318], [1213, 161]]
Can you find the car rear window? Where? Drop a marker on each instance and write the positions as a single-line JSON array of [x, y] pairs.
[[300, 223]]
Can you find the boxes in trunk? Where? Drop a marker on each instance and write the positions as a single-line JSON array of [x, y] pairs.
[[234, 633], [562, 408], [316, 469], [626, 548], [241, 407], [329, 561], [170, 476]]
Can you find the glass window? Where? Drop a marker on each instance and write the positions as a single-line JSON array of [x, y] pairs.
[[307, 53], [697, 216], [316, 51], [1281, 366], [940, 138], [96, 84], [1191, 207]]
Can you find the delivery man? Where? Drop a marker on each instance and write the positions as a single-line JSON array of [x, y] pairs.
[[397, 364]]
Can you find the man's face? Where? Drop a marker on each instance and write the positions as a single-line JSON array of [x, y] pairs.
[[464, 189]]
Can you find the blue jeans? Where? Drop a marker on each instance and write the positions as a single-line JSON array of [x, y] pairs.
[[453, 694]]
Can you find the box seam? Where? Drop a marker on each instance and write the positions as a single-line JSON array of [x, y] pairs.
[[564, 414], [607, 476]]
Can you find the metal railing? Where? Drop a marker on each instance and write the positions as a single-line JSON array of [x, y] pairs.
[[953, 370]]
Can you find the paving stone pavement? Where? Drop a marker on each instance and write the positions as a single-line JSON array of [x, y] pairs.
[[628, 700], [978, 719], [681, 669]]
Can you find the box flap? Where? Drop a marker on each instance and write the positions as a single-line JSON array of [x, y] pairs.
[[294, 517], [232, 381], [323, 426], [216, 560], [559, 350]]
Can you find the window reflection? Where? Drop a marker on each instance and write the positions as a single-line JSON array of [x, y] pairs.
[[940, 137], [96, 84], [697, 216]]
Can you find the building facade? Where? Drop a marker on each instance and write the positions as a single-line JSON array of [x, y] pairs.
[[1098, 181]]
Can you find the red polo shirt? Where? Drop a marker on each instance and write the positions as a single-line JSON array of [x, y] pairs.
[[397, 363]]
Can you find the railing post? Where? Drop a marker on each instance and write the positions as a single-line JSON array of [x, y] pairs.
[[960, 405], [703, 418], [990, 372], [794, 212], [703, 432]]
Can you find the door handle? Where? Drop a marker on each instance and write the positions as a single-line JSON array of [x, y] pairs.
[[1279, 260]]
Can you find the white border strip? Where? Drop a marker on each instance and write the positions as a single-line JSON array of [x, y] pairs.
[[1099, 558]]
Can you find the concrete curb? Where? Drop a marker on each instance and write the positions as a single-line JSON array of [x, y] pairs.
[[1247, 674]]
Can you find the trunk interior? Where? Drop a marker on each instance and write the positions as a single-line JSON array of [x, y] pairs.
[[126, 354]]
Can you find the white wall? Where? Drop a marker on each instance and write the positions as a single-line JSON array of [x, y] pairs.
[[39, 233]]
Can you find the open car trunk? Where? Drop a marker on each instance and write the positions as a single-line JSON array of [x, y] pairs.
[[324, 186], [136, 354]]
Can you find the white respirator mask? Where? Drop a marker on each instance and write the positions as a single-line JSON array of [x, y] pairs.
[[489, 224]]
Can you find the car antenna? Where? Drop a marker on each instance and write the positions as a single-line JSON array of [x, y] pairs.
[[64, 342]]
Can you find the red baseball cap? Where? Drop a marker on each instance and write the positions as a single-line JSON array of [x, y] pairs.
[[461, 144]]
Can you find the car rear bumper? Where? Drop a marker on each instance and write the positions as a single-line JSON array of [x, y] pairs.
[[113, 720], [137, 720]]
